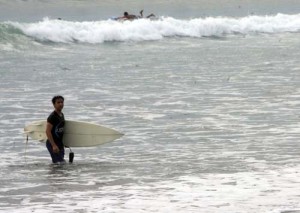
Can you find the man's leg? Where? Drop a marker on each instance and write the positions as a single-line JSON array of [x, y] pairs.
[[151, 15], [52, 154], [60, 156]]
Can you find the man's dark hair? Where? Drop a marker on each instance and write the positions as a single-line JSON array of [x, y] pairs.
[[57, 97], [125, 13]]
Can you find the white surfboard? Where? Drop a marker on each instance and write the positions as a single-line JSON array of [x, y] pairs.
[[76, 133]]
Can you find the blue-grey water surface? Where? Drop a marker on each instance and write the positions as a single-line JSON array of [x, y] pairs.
[[209, 107]]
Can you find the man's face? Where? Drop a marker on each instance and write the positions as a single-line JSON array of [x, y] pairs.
[[59, 104]]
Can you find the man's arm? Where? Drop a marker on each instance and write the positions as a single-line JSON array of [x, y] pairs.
[[50, 138]]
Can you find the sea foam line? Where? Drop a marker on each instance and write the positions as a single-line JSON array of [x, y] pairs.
[[145, 29]]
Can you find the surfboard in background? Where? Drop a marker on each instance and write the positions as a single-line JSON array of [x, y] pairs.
[[76, 133]]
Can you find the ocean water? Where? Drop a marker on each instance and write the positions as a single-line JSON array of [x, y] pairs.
[[207, 95]]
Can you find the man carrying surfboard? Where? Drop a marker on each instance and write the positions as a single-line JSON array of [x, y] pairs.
[[55, 131]]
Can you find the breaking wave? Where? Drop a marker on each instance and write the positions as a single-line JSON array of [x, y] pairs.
[[145, 29]]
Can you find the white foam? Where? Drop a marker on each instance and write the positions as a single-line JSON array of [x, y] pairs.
[[148, 116], [7, 47], [145, 29], [268, 191]]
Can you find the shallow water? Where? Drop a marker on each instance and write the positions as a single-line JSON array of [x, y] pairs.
[[210, 123]]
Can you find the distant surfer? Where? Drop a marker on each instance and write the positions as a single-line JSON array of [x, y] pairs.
[[128, 16], [55, 131]]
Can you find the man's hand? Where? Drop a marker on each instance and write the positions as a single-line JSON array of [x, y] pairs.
[[55, 149]]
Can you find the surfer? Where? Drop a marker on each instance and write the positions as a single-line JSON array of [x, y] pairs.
[[128, 16], [55, 131]]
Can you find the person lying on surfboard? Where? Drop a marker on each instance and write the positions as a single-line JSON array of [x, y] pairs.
[[128, 16], [55, 131]]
